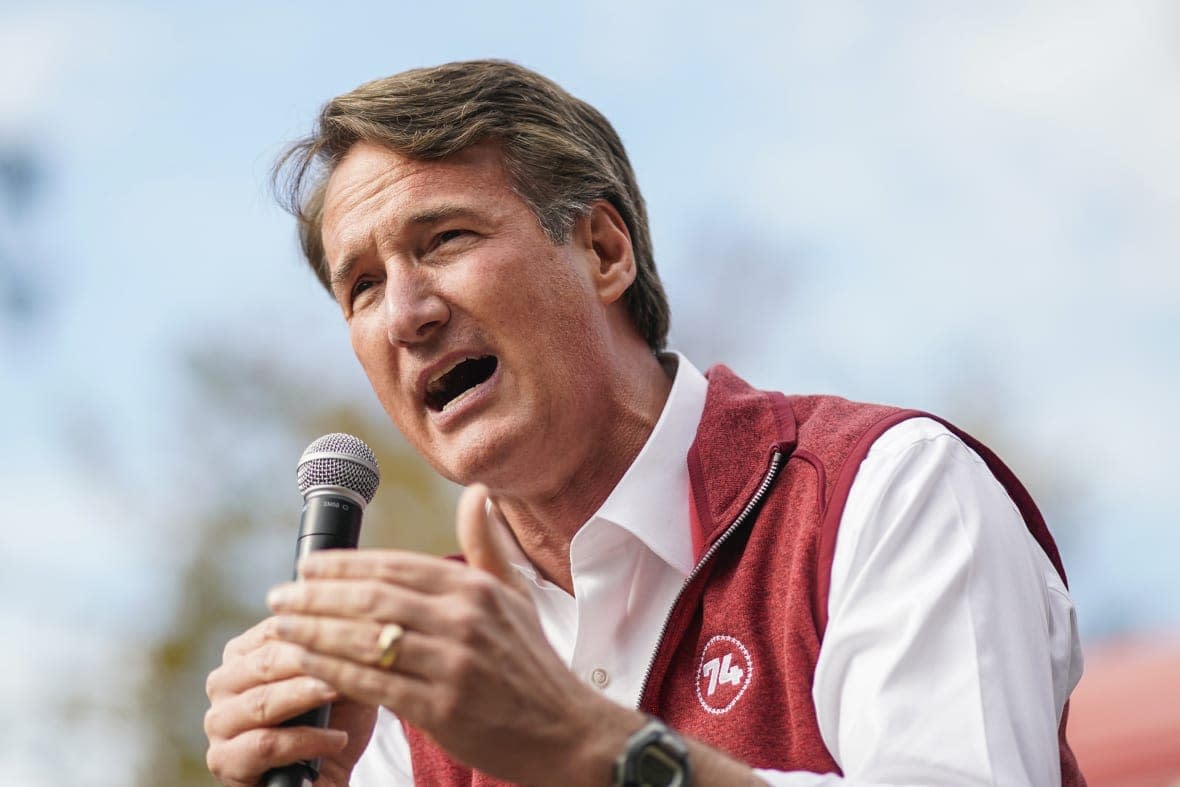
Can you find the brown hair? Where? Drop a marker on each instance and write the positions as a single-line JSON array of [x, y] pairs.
[[560, 153]]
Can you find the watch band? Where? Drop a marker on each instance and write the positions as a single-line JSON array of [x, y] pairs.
[[655, 756]]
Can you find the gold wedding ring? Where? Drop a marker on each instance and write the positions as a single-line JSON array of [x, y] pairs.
[[389, 640]]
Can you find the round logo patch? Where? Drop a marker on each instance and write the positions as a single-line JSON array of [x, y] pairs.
[[724, 674]]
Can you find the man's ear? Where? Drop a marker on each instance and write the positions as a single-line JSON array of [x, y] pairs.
[[612, 260]]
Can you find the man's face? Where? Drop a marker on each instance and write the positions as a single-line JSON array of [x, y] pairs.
[[481, 338]]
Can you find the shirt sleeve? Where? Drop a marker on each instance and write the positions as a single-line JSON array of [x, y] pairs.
[[385, 762], [952, 643]]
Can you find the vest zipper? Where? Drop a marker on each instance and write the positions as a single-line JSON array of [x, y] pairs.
[[751, 506]]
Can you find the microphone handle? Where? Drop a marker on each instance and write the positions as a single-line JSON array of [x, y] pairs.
[[329, 521]]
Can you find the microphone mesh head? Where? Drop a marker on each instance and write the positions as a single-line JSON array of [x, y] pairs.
[[339, 459]]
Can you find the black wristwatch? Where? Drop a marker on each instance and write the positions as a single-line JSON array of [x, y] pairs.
[[653, 757]]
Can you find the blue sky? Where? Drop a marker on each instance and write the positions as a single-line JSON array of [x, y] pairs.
[[976, 212]]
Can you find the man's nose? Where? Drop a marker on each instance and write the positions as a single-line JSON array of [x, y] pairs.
[[414, 309]]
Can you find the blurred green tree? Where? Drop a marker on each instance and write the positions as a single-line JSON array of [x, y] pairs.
[[249, 421]]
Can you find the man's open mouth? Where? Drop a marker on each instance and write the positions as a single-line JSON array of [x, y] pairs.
[[460, 379]]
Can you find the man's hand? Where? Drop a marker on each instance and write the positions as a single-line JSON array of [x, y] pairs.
[[473, 669], [260, 684]]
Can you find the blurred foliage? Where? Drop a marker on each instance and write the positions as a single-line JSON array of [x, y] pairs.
[[21, 176], [248, 422]]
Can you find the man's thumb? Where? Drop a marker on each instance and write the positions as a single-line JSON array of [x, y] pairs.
[[481, 538]]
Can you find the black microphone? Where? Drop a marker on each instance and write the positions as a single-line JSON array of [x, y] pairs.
[[338, 476]]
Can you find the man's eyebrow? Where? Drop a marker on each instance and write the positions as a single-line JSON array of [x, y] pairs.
[[441, 213], [342, 274]]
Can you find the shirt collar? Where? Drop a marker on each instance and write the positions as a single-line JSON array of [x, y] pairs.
[[651, 499]]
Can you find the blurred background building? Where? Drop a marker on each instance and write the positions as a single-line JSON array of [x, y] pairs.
[[973, 211]]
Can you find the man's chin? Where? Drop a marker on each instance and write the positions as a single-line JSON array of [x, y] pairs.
[[498, 458]]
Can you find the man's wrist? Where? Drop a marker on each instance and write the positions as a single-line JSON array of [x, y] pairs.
[[654, 756], [588, 760]]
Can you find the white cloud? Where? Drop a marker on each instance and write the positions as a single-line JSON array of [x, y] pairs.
[[1095, 83], [52, 51]]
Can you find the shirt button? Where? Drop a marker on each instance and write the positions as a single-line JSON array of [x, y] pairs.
[[599, 677]]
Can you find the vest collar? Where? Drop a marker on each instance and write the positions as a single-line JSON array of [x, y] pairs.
[[740, 430]]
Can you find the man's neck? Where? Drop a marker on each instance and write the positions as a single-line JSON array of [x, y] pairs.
[[545, 523]]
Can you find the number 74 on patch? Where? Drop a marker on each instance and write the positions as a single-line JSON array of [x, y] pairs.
[[722, 671]]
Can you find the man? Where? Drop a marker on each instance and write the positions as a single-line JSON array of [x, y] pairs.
[[798, 590]]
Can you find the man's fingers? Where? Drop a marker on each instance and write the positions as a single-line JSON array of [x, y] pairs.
[[417, 653], [250, 639], [411, 698], [244, 758], [425, 573], [358, 599], [267, 705], [275, 660], [482, 538]]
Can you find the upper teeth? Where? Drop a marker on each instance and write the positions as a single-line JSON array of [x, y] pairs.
[[435, 380]]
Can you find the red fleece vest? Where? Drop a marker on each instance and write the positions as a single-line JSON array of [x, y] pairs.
[[770, 476]]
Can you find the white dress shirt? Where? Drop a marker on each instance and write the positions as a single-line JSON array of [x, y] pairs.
[[934, 572]]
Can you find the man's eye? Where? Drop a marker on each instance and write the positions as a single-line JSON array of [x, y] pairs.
[[360, 287], [448, 235]]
